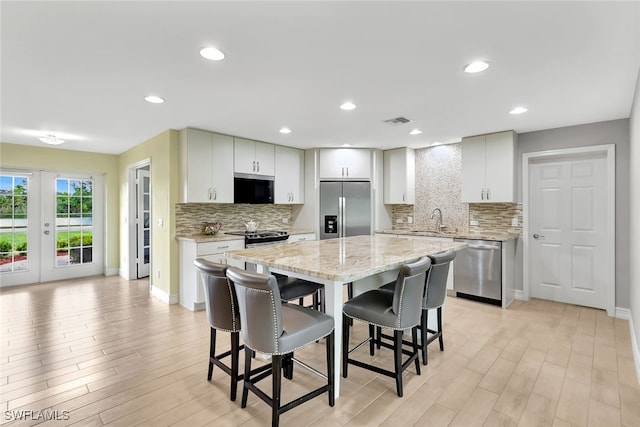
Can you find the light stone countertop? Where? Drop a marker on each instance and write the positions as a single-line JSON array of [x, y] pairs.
[[204, 238], [343, 259], [491, 235]]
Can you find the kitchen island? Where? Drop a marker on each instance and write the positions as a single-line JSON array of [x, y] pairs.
[[334, 262]]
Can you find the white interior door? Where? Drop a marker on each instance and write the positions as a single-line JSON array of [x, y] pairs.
[[143, 222], [569, 223], [72, 226]]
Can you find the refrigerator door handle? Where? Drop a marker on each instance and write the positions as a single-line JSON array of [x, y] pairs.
[[344, 217], [340, 215]]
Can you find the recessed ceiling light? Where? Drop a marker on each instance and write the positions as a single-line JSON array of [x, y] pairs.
[[285, 130], [433, 144], [51, 139], [154, 99], [476, 67], [346, 145], [415, 132], [212, 54], [518, 110], [348, 106]]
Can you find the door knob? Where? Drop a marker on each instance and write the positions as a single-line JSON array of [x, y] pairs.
[[538, 236], [47, 232]]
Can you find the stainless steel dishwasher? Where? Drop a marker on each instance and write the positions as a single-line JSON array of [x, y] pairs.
[[477, 271]]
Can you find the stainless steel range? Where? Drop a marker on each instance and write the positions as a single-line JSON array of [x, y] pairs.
[[261, 238]]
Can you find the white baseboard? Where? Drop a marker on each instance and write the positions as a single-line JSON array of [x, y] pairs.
[[623, 313], [124, 274], [635, 348], [164, 296], [111, 272], [520, 295]]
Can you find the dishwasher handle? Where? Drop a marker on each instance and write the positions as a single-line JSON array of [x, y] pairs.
[[484, 247]]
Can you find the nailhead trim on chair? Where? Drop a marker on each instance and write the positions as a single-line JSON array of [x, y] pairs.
[[236, 327], [382, 326], [295, 349]]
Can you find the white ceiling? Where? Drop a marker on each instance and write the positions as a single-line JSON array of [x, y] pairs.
[[81, 69]]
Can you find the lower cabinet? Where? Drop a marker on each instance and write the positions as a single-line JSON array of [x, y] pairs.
[[191, 292]]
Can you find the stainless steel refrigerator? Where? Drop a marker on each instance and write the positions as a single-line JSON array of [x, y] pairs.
[[345, 208]]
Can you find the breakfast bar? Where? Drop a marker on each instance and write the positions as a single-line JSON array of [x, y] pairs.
[[335, 262]]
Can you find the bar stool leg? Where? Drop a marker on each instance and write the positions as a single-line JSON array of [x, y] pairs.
[[235, 355], [212, 353]]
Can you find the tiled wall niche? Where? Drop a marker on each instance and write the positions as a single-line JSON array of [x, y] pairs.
[[191, 217]]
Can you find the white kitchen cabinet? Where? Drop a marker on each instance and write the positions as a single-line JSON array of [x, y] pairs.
[[191, 292], [345, 163], [254, 157], [399, 176], [289, 175], [488, 163], [301, 237], [206, 172]]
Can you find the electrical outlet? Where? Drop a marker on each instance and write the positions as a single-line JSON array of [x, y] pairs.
[[473, 222], [514, 222], [409, 220], [159, 222], [285, 220], [398, 220], [158, 274]]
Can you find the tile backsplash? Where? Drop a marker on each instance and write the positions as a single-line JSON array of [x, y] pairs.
[[191, 217], [495, 217], [439, 185]]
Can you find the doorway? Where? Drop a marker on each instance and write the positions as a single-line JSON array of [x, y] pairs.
[[140, 234], [51, 226], [569, 226]]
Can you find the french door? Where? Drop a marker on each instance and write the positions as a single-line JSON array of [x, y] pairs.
[[51, 226]]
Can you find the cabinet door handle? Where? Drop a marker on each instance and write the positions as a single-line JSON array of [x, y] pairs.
[[253, 169], [223, 247], [488, 194], [301, 239], [258, 166], [347, 172], [209, 194], [482, 194], [342, 171], [404, 197], [215, 194]]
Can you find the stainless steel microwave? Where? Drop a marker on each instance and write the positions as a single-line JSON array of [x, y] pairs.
[[254, 189]]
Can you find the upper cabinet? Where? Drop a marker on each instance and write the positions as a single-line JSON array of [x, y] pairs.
[[488, 168], [399, 176], [345, 163], [253, 157], [289, 176], [206, 175]]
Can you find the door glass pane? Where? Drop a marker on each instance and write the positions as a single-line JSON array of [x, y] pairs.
[[13, 223], [74, 222]]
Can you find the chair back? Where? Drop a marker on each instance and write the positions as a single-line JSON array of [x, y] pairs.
[[260, 309], [408, 293], [436, 288], [219, 296]]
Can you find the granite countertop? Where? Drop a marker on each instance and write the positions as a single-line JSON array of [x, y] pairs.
[[490, 235], [343, 259], [203, 238]]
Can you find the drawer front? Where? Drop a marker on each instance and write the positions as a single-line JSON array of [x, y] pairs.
[[210, 248], [301, 237]]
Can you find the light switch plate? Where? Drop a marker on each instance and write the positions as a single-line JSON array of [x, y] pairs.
[[514, 222], [398, 220], [409, 220], [285, 220], [473, 222]]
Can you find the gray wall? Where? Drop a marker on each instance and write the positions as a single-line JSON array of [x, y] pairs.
[[611, 132]]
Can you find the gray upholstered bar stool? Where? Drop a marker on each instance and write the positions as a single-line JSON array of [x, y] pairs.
[[292, 288], [398, 310], [222, 312], [434, 296], [277, 329]]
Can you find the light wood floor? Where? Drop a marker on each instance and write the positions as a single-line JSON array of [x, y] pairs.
[[106, 352]]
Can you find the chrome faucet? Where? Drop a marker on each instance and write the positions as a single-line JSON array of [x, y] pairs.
[[439, 225]]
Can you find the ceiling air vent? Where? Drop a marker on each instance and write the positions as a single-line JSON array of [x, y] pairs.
[[397, 121]]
